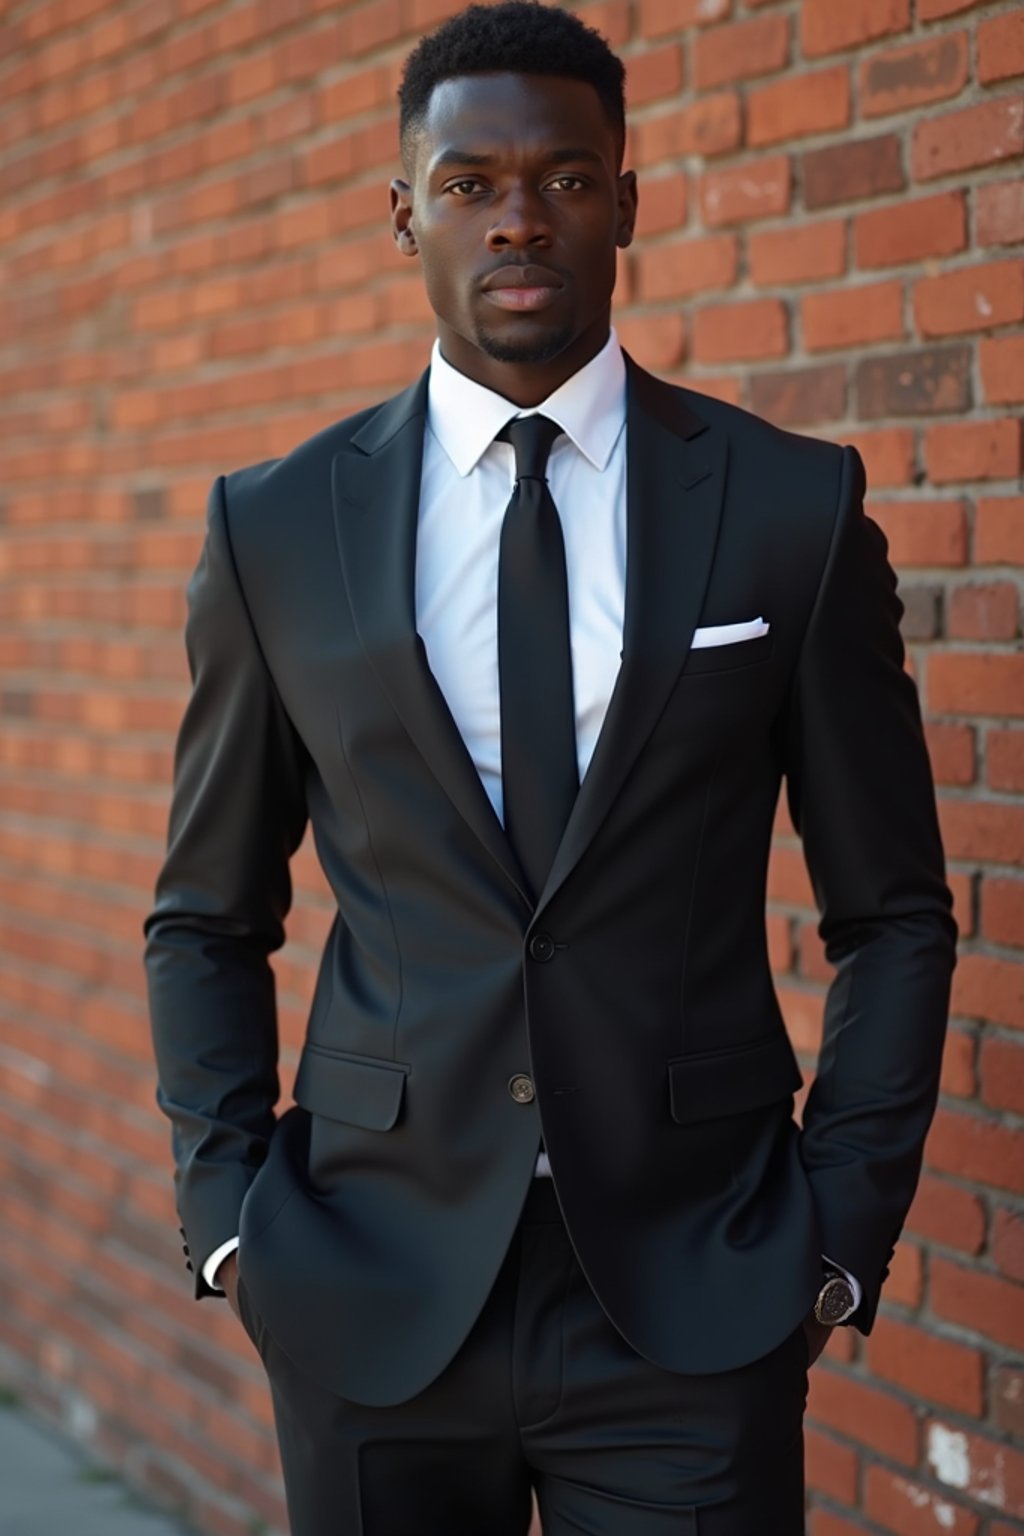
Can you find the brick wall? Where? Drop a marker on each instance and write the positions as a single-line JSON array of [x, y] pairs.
[[196, 273]]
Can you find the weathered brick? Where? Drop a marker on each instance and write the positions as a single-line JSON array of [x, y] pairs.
[[753, 191], [1002, 1068], [686, 267], [952, 752], [935, 1369], [906, 1506], [984, 611], [1005, 758], [660, 16], [979, 1467], [795, 396], [999, 530], [864, 1412], [999, 213], [923, 533], [930, 380], [860, 168], [1008, 1242], [947, 1214], [1001, 47], [932, 69]]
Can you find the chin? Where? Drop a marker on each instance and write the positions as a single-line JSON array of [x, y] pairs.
[[535, 349]]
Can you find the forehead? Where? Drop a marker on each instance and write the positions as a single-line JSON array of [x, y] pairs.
[[514, 114]]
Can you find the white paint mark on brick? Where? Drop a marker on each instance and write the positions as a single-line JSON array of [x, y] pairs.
[[947, 1453]]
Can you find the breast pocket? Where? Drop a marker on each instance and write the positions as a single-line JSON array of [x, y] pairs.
[[729, 658]]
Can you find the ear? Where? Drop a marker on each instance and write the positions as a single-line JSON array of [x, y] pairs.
[[627, 201], [400, 193]]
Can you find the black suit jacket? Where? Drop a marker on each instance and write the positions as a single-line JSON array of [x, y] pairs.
[[636, 993]]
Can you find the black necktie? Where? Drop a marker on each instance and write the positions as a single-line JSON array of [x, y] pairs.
[[538, 723]]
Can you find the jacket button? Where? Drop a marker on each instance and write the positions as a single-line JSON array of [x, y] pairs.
[[542, 947], [521, 1088]]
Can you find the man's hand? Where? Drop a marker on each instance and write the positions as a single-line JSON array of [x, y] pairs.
[[818, 1335], [227, 1276]]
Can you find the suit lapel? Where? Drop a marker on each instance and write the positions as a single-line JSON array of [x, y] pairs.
[[376, 487], [675, 471]]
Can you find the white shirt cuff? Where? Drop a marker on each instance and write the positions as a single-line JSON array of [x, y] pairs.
[[216, 1259], [858, 1294]]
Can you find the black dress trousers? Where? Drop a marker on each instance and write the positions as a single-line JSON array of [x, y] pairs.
[[545, 1395]]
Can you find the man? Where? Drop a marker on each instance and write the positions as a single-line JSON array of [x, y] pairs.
[[533, 646]]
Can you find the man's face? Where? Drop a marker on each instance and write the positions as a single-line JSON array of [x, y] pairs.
[[515, 207]]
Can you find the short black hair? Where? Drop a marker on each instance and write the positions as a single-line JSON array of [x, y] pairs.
[[520, 37]]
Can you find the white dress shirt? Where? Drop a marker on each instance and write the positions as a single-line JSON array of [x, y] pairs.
[[467, 482]]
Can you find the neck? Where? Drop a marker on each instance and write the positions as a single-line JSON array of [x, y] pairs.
[[524, 384]]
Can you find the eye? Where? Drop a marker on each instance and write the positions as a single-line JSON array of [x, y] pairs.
[[465, 187], [566, 182]]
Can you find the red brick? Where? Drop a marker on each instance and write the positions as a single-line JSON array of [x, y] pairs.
[[1008, 1242], [654, 74], [958, 1074], [888, 455], [989, 988], [865, 1413], [973, 450], [859, 168], [910, 231], [935, 1369], [971, 299], [999, 530], [936, 10], [984, 611], [823, 1521], [976, 830], [1005, 754], [999, 213], [657, 342], [949, 1215], [797, 255], [905, 1282], [932, 69], [712, 125], [952, 754], [1002, 1069], [962, 887], [972, 1147], [981, 1302], [850, 317], [660, 16], [831, 1468], [686, 267], [798, 105], [910, 1509], [987, 1470], [756, 190], [827, 28], [1008, 1407], [735, 332], [663, 205], [923, 532], [959, 141], [1002, 369], [740, 51], [1001, 47], [926, 381], [611, 18], [973, 683], [800, 396]]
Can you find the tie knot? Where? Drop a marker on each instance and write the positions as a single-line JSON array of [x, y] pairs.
[[531, 438]]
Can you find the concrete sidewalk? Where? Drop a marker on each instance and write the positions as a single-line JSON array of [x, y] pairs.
[[48, 1487]]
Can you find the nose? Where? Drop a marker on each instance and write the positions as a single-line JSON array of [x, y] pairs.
[[521, 222]]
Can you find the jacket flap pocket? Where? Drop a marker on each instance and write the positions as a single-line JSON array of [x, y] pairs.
[[732, 1082], [359, 1090]]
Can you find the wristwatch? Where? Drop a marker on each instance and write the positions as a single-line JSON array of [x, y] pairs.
[[836, 1301]]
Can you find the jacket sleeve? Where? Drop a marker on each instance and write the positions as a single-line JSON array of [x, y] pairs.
[[237, 814], [861, 796]]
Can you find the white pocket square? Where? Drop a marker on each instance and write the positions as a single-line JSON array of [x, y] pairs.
[[728, 634]]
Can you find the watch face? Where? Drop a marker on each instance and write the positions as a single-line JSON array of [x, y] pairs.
[[835, 1301]]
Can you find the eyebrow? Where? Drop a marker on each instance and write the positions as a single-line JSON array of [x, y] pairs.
[[473, 157]]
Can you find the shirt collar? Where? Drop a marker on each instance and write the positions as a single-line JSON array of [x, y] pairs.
[[590, 407]]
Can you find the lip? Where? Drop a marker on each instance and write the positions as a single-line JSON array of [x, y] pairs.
[[514, 276], [520, 298]]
